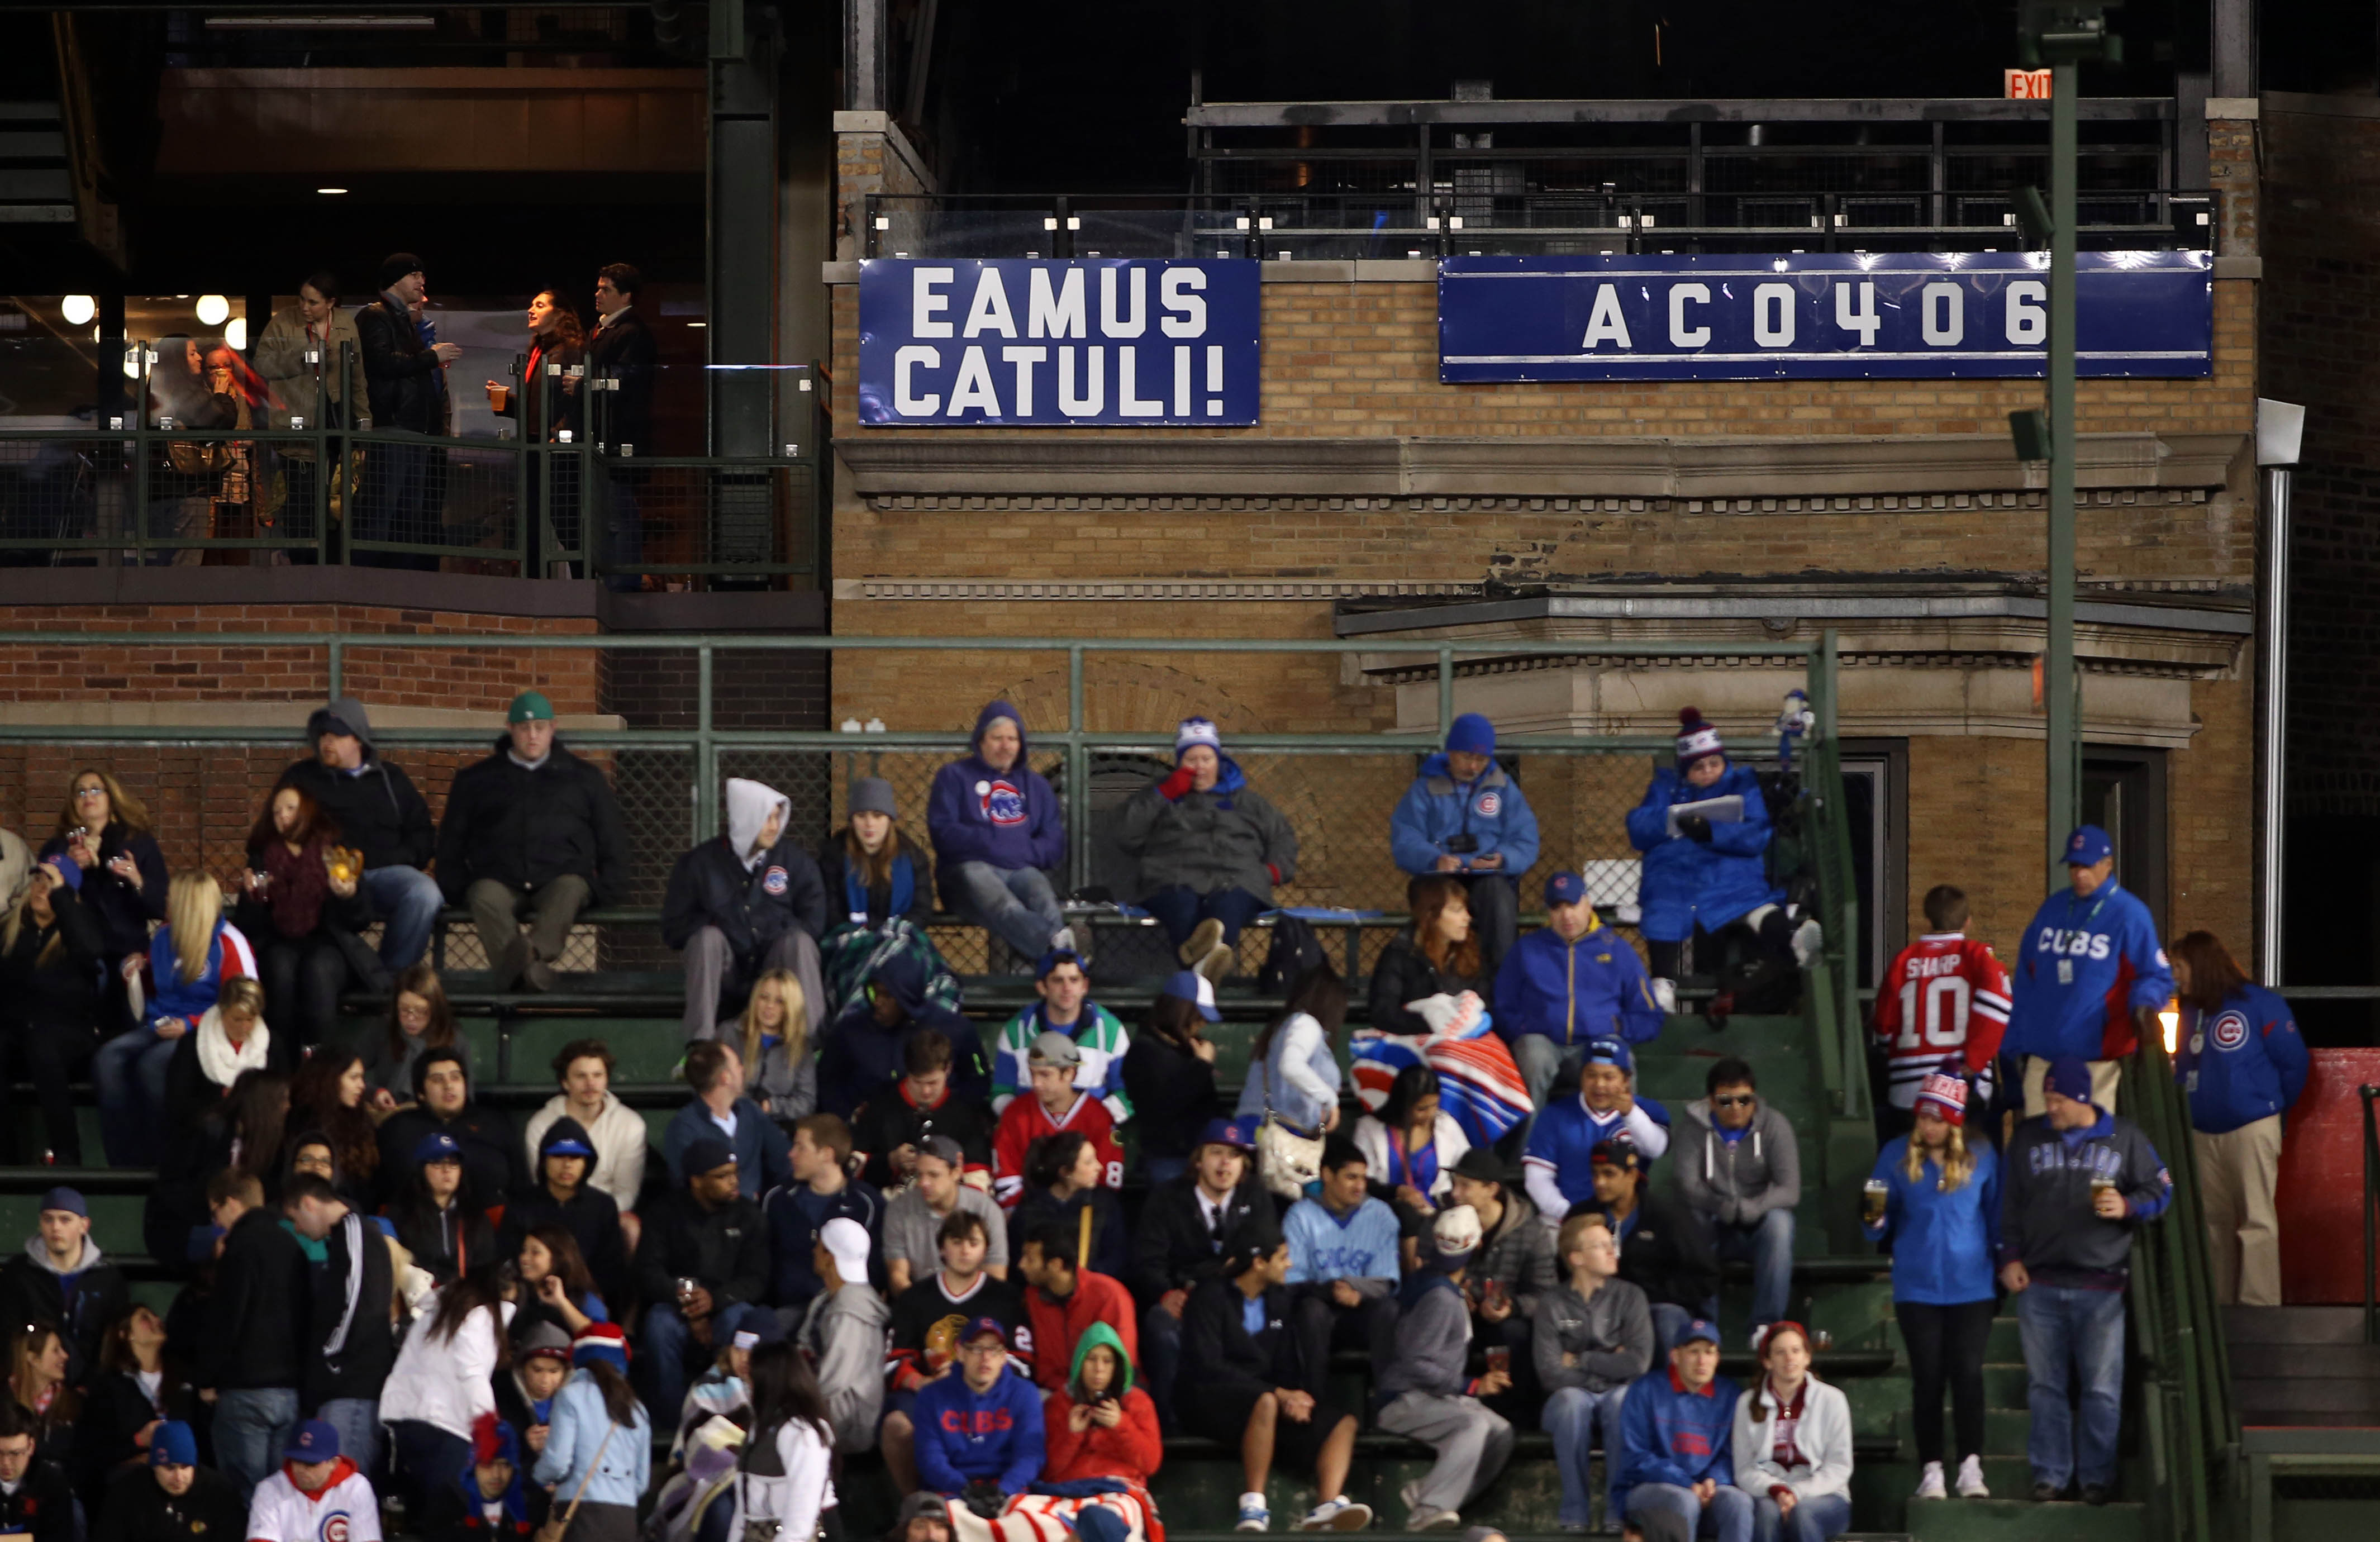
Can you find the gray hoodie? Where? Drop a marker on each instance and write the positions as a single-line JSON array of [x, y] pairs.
[[1608, 1335], [1433, 1340], [844, 1331], [748, 805], [1737, 1181]]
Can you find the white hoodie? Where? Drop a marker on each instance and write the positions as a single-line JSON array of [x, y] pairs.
[[748, 803]]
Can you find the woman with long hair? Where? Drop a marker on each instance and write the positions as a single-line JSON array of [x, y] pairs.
[[444, 1379], [2242, 1064], [1793, 1440], [1430, 995], [1941, 1209], [1293, 1064], [1411, 1147], [599, 1449], [190, 960], [880, 893], [1100, 1423], [327, 1097], [51, 955], [785, 1479], [37, 1380], [556, 1285], [104, 830], [1169, 1073], [135, 1386], [297, 910], [438, 1218], [420, 1020], [550, 401], [773, 1037], [230, 1039], [1062, 1180]]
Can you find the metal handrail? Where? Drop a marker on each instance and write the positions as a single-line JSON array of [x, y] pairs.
[[2370, 1094]]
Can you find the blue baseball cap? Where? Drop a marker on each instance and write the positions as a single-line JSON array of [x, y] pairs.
[[978, 1327], [437, 1146], [1228, 1132], [566, 1147], [1699, 1329], [1188, 985], [313, 1440], [1565, 889], [1606, 1051], [1050, 961], [2088, 845]]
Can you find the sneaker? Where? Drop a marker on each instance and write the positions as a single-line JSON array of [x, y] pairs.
[[1410, 1495], [1216, 966], [1063, 940], [1665, 996], [2045, 1493], [1808, 938], [2096, 1493], [1254, 1513], [1340, 1514], [1204, 939], [1970, 1479], [538, 975], [1930, 1485], [1427, 1519]]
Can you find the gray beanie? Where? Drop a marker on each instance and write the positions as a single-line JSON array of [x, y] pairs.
[[873, 795]]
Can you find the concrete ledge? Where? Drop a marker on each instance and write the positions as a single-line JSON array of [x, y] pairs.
[[270, 717], [2233, 109], [1362, 270], [2239, 267]]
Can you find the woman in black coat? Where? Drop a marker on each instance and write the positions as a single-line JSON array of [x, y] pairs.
[[1169, 1073], [436, 1218], [1062, 1180], [104, 831], [51, 957], [1438, 955], [134, 1387]]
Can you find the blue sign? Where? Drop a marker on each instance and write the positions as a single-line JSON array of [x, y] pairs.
[[1052, 342], [1818, 316]]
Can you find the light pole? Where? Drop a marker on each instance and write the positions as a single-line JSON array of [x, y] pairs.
[[2060, 34]]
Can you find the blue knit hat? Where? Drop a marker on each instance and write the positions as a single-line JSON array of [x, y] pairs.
[[1471, 733], [173, 1444]]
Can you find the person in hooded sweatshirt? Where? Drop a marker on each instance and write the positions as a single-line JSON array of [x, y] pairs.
[[62, 1277], [863, 1056], [531, 826], [350, 1343], [376, 809], [444, 1104], [843, 1331], [560, 1194], [998, 833], [1426, 1390], [1465, 816], [488, 1498], [743, 904], [1096, 1424], [1210, 848], [1739, 1169]]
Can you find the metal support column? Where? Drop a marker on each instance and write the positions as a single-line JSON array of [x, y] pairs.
[[2063, 805], [740, 339], [2279, 429]]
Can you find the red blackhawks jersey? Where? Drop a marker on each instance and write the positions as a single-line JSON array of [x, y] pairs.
[[1025, 1121], [1945, 997]]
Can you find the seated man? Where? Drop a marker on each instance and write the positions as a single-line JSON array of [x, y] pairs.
[[1344, 1260], [1179, 1243], [1062, 1301], [1055, 1105], [924, 1338], [168, 1498], [797, 1213], [34, 1498], [708, 1233], [863, 1055], [1570, 980], [1430, 1393], [317, 1495], [1593, 1335], [998, 833], [1210, 849], [719, 1110], [1254, 1390], [1677, 1432], [979, 1435], [582, 1068], [444, 1104], [743, 904], [1664, 1248], [532, 825], [1509, 1280], [912, 1217], [1066, 1008], [62, 1277], [1563, 1141], [1742, 1179], [1463, 816], [378, 811], [893, 1126], [561, 1196]]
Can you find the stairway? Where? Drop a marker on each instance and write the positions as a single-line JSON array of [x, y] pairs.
[[2303, 1366]]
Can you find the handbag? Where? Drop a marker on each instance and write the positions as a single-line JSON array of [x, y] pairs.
[[1289, 1155], [552, 1529]]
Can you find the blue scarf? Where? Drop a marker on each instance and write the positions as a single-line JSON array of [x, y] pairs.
[[903, 891]]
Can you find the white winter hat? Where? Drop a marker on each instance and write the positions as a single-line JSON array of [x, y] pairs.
[[1195, 732]]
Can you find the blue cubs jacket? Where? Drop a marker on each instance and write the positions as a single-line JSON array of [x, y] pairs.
[[1688, 882], [2081, 968], [2243, 1063]]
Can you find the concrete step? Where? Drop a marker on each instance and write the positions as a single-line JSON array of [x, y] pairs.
[[2000, 1519], [2308, 1399], [2293, 1324], [2005, 1430]]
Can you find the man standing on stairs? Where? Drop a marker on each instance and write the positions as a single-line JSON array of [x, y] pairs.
[[62, 1277], [1426, 1388], [1677, 1440], [1740, 1170], [2090, 975], [2079, 1180]]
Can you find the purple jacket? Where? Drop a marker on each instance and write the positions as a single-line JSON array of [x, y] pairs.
[[1006, 819]]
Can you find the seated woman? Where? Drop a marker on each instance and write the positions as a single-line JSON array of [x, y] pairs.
[[1793, 1443], [1430, 995], [880, 893], [301, 915], [554, 1285], [1169, 1073], [188, 960], [773, 1037], [420, 1020], [51, 956], [437, 1220], [1706, 871], [1100, 1425], [229, 1039], [1062, 1180], [1410, 1149], [327, 1097], [37, 1380], [104, 829], [135, 1386], [1210, 848]]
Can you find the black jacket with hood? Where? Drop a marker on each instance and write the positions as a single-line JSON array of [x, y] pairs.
[[493, 1163], [82, 1303], [862, 1057], [255, 1319], [590, 1216], [753, 899], [350, 1344], [376, 807], [525, 826]]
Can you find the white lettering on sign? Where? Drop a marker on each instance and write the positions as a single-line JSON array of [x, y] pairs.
[[989, 311], [1128, 400], [2028, 320], [1604, 323], [1087, 405], [1680, 334], [1024, 358], [1772, 315], [1058, 314], [905, 400], [1864, 320], [1129, 325], [2026, 85], [1185, 312], [926, 302], [1942, 313], [973, 388]]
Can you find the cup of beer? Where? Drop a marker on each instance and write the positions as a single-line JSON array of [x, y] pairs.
[[2099, 1186], [500, 397], [1872, 1199]]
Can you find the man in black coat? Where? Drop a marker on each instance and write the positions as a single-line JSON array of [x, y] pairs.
[[350, 1345], [170, 1498], [405, 380], [62, 1277], [743, 904], [701, 1267], [495, 1165], [530, 825], [251, 1356], [35, 1500], [1179, 1245], [380, 814], [621, 364]]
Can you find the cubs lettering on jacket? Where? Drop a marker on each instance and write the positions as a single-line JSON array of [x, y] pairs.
[[975, 1422], [2075, 945]]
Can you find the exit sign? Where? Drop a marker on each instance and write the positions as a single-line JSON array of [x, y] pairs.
[[2027, 84]]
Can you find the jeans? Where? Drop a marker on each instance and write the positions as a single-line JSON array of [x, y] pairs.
[[426, 1459], [1768, 1242], [667, 1340], [624, 527], [252, 1424], [128, 1072], [1160, 1358], [1571, 1416], [1321, 1324], [403, 499], [1727, 1517], [1179, 909], [2063, 1327], [495, 910], [303, 976], [407, 901], [1817, 1520], [1540, 1062], [357, 1422], [1016, 905]]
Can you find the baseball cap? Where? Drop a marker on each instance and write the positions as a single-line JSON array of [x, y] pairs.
[[705, 1154], [2088, 845], [1482, 1166], [1619, 1151], [943, 1148], [1457, 1230], [1699, 1329], [1188, 985], [1051, 1047], [568, 1145], [314, 1440], [437, 1146], [1054, 957], [531, 707], [848, 1240], [1606, 1051], [1228, 1132], [68, 1199], [978, 1327], [1565, 889]]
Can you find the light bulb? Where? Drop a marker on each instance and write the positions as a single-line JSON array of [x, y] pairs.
[[77, 308], [2170, 1020], [236, 334], [851, 725], [132, 364], [213, 311]]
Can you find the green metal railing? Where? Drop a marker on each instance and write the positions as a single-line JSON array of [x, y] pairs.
[[2190, 1427]]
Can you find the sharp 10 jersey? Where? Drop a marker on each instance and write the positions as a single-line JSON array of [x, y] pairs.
[[1946, 998]]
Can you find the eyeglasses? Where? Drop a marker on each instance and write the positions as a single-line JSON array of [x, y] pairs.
[[984, 1351], [1734, 1101], [81, 792]]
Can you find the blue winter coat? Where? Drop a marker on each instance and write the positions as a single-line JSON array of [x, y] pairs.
[[1491, 809], [2080, 970], [1574, 992], [2246, 1063], [1010, 819], [1687, 881], [1669, 1435], [1944, 1246]]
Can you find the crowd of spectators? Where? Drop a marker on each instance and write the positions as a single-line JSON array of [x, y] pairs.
[[1015, 1271]]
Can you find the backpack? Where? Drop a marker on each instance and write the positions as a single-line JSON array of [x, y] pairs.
[[1295, 949]]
